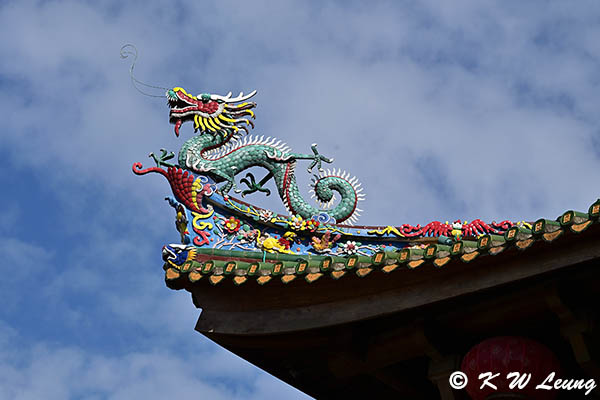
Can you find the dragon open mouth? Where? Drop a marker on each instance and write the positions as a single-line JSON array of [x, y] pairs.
[[168, 254], [181, 111]]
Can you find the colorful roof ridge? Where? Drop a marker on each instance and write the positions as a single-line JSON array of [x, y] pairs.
[[211, 163], [226, 238], [216, 265]]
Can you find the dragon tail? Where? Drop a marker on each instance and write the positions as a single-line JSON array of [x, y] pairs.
[[322, 189]]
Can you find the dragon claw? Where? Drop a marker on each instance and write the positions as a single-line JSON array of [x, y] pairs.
[[318, 159], [254, 186], [162, 159]]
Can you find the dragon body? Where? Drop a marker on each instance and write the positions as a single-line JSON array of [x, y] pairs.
[[207, 169], [221, 151]]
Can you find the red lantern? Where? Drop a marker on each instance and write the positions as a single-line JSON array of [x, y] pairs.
[[508, 354]]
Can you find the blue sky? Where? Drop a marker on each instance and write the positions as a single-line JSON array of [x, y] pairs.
[[443, 110]]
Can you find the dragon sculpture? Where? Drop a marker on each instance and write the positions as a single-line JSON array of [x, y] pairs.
[[223, 149], [221, 235]]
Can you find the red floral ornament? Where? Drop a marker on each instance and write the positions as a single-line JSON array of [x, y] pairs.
[[232, 225], [312, 225]]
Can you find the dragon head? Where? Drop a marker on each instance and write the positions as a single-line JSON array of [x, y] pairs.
[[210, 112], [175, 254]]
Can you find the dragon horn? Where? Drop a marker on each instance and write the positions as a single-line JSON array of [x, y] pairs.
[[228, 99]]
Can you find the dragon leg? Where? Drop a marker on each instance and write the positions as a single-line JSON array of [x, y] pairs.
[[161, 160], [316, 157], [250, 181], [229, 179]]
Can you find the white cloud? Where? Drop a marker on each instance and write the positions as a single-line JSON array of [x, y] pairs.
[[9, 217], [442, 111], [471, 84], [52, 372], [22, 263]]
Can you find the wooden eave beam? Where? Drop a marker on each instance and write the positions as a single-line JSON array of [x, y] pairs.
[[280, 308]]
